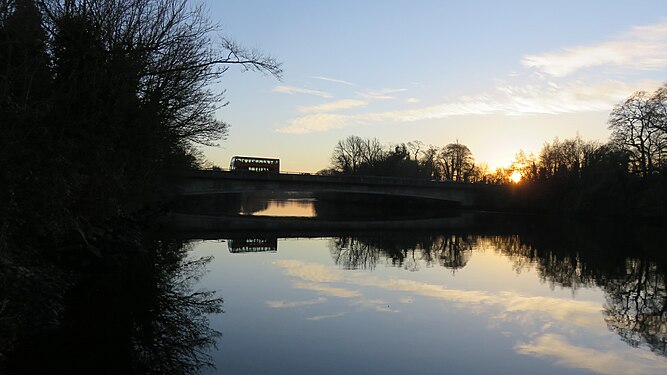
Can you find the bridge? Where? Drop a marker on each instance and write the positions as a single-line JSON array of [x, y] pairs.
[[216, 182]]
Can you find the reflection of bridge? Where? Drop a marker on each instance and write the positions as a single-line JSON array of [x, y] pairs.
[[212, 182]]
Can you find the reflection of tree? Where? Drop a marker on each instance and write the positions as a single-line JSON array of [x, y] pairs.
[[627, 263], [134, 313], [557, 268], [176, 337], [352, 253], [636, 306], [450, 251]]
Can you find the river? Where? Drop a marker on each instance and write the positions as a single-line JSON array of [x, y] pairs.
[[309, 285], [499, 295]]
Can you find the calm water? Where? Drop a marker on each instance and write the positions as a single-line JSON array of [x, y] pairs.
[[543, 298], [346, 293]]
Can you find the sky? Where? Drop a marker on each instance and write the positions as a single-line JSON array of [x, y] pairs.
[[497, 76]]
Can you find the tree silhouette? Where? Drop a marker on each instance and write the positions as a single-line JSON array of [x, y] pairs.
[[456, 162], [637, 125]]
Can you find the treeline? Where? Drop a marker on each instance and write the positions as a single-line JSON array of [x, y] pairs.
[[100, 104], [358, 156], [625, 176]]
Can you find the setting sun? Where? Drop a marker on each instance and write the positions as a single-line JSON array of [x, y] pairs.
[[515, 177]]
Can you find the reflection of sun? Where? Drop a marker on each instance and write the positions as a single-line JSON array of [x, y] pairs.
[[515, 177]]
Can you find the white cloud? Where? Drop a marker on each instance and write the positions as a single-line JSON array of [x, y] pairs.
[[643, 48], [382, 94], [314, 123], [412, 100], [321, 78], [512, 100], [300, 90], [334, 106]]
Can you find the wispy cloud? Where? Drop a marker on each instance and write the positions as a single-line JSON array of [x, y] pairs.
[[321, 78], [300, 90], [550, 89], [545, 97], [642, 48], [334, 106], [382, 94]]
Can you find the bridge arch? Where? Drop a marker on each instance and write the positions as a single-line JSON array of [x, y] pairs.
[[218, 182]]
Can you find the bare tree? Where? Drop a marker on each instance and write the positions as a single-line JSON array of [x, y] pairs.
[[456, 161], [429, 162], [168, 49], [638, 126], [415, 148], [350, 153]]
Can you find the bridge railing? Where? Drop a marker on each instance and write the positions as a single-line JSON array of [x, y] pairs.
[[304, 176]]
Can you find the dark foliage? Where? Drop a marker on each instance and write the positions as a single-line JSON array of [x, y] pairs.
[[101, 105]]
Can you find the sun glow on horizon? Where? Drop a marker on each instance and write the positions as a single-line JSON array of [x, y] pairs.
[[516, 177]]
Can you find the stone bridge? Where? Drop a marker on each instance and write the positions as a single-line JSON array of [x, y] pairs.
[[218, 182]]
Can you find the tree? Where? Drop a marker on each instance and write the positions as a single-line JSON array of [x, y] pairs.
[[350, 153], [566, 158], [638, 126], [415, 148], [428, 163], [456, 161], [101, 101]]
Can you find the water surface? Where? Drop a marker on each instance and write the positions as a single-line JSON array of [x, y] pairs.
[[434, 302]]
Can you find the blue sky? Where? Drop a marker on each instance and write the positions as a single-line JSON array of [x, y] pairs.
[[498, 76]]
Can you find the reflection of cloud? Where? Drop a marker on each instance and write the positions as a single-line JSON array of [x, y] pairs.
[[321, 78], [300, 90], [544, 313], [407, 300], [374, 304], [309, 271], [334, 106], [603, 362], [329, 290], [291, 304], [643, 48], [583, 314], [320, 317], [579, 313]]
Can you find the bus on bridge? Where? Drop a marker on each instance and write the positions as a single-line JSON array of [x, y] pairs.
[[254, 164]]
